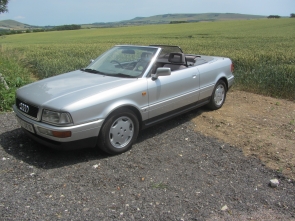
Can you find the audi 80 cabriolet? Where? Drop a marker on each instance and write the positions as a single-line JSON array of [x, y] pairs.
[[124, 90]]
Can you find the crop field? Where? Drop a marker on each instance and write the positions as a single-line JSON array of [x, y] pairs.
[[262, 51]]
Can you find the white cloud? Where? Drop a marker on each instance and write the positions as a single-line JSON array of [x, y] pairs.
[[19, 17]]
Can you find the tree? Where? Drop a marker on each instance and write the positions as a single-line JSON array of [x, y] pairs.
[[274, 16], [3, 6], [292, 15]]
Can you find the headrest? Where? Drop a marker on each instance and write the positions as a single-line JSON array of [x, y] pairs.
[[176, 58], [190, 58]]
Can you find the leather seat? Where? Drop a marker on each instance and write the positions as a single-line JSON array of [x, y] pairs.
[[177, 61]]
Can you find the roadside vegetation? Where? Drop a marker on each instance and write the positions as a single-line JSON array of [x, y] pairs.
[[4, 32], [262, 51], [12, 76]]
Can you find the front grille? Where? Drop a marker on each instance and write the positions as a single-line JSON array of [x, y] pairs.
[[27, 108]]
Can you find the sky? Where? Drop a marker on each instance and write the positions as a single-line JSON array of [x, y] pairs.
[[62, 12]]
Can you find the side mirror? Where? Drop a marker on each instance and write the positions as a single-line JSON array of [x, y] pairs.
[[91, 61], [161, 72]]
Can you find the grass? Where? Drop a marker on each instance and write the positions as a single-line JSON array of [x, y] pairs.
[[15, 76], [262, 50]]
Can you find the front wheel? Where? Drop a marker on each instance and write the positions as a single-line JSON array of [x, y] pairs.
[[119, 132], [218, 96]]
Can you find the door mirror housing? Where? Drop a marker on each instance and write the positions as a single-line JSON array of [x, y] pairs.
[[161, 72]]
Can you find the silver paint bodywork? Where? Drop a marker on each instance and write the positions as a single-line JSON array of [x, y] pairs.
[[90, 98]]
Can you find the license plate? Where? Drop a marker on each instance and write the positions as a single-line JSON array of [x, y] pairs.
[[26, 125]]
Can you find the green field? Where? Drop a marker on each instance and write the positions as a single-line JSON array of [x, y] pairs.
[[262, 51]]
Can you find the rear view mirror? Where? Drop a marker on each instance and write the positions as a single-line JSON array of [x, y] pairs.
[[128, 51]]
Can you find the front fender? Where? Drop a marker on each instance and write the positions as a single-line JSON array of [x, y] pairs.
[[101, 105]]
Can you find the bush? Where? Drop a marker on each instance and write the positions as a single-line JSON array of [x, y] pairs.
[[15, 76]]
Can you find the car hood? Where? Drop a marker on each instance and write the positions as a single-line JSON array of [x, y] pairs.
[[61, 90]]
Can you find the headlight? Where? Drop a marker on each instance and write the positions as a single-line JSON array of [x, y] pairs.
[[56, 117]]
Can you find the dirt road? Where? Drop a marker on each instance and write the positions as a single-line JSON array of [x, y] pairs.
[[260, 126], [173, 172]]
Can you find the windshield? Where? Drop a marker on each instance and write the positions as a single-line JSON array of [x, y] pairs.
[[123, 61], [167, 49]]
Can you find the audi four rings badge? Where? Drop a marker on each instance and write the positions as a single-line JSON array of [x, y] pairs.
[[23, 107]]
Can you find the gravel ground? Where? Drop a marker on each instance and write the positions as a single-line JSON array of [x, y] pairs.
[[172, 173]]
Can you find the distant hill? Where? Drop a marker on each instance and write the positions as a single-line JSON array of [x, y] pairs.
[[170, 18], [156, 19], [167, 18], [14, 25]]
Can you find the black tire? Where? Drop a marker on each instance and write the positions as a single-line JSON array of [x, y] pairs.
[[218, 96], [118, 132]]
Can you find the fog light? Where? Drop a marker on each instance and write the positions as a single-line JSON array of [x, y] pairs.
[[59, 134]]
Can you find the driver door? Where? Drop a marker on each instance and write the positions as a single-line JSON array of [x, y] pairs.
[[169, 93]]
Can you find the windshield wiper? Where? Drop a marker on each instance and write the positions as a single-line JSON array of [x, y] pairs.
[[89, 70], [121, 75]]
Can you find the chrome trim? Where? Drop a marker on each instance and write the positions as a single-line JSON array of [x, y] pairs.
[[28, 116], [207, 86], [23, 107], [58, 125], [172, 98], [25, 114]]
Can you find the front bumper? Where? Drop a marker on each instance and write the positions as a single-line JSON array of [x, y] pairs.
[[83, 135]]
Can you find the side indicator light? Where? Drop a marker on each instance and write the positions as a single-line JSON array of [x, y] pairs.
[[59, 134], [62, 134]]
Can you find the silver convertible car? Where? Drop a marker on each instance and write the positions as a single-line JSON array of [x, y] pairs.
[[126, 89]]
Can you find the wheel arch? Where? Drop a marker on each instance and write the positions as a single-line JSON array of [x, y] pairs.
[[225, 81], [211, 104], [131, 108], [110, 142]]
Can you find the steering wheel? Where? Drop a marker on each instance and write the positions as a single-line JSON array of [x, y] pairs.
[[115, 61], [140, 65]]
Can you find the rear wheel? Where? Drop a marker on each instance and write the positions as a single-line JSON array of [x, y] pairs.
[[119, 132], [218, 96]]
